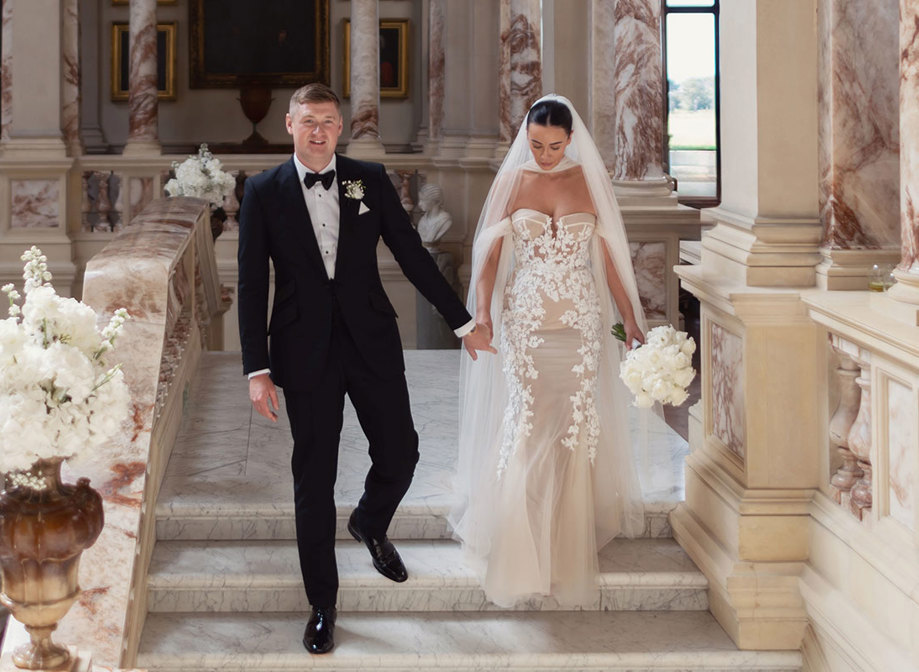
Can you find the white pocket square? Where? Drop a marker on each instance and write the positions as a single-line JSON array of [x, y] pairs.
[[361, 210]]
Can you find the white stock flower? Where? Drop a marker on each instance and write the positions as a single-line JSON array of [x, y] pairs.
[[57, 398]]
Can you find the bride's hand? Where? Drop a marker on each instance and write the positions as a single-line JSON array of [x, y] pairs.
[[479, 339], [632, 334]]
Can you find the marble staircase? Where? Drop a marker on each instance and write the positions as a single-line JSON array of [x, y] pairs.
[[224, 588]]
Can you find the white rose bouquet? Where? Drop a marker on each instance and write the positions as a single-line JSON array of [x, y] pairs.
[[58, 398], [201, 176], [661, 369]]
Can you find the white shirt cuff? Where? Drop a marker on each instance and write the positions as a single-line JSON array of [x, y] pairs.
[[253, 374], [465, 329]]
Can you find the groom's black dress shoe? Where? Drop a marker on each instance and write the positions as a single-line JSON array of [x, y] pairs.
[[317, 638], [385, 556]]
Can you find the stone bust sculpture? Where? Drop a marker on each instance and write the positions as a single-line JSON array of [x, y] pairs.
[[435, 222]]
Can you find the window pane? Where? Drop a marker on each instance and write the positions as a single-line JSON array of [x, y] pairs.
[[690, 3], [691, 93]]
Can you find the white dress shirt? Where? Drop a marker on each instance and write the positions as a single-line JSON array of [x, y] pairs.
[[324, 210]]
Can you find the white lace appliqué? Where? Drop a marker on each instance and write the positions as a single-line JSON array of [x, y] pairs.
[[551, 264]]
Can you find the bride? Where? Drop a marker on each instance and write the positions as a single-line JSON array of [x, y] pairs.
[[545, 474]]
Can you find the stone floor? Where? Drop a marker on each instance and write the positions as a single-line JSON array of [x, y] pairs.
[[224, 591]]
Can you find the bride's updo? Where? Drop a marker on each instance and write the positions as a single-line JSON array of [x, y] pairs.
[[550, 113]]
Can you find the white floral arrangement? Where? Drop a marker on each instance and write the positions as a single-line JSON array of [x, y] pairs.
[[661, 369], [201, 176], [58, 397]]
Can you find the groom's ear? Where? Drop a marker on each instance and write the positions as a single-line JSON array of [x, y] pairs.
[[288, 123]]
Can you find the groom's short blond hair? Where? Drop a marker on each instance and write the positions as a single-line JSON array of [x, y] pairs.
[[314, 93]]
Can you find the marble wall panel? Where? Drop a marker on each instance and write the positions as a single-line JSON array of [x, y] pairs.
[[6, 69], [901, 447], [638, 103], [650, 262], [909, 135], [141, 192], [858, 133], [35, 204], [727, 393]]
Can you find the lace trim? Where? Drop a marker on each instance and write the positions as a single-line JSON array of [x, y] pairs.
[[551, 264]]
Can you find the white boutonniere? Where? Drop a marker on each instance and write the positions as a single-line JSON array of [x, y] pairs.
[[354, 189]]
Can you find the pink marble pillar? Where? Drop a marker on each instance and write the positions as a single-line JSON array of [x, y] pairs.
[[909, 141], [70, 84], [520, 66], [603, 84], [858, 129], [6, 71], [142, 92], [365, 70], [638, 102], [436, 72]]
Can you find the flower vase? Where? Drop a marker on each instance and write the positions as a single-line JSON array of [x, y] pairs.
[[44, 527]]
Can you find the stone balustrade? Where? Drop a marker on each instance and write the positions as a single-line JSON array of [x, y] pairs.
[[162, 269]]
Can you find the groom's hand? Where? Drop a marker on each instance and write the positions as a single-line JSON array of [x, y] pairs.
[[478, 339], [264, 396]]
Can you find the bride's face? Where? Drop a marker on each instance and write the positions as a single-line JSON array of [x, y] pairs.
[[547, 144]]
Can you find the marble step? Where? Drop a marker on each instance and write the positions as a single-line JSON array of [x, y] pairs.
[[227, 520], [454, 642], [640, 574]]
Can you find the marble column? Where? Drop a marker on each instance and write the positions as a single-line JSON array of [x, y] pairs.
[[365, 79], [767, 229], [143, 136], [6, 70], [520, 65], [858, 136], [603, 79], [70, 84], [436, 69], [907, 273], [638, 103]]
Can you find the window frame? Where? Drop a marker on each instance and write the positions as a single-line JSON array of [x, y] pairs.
[[715, 11]]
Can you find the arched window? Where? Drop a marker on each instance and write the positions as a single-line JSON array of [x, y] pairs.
[[691, 142]]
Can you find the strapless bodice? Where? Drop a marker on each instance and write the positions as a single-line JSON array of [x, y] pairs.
[[561, 242]]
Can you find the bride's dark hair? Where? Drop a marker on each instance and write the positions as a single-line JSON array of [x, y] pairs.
[[550, 113]]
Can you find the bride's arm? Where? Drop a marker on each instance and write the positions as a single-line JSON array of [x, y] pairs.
[[621, 297], [485, 285]]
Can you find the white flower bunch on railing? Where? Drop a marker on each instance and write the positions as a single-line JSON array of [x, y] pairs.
[[58, 398], [201, 176], [661, 369]]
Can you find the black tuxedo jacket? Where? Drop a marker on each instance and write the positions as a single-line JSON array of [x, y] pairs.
[[275, 224]]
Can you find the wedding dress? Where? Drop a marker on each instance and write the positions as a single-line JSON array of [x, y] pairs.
[[546, 473]]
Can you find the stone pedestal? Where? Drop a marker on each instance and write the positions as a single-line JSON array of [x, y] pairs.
[[433, 331], [754, 464]]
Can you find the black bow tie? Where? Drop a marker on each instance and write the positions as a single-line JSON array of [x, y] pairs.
[[326, 178]]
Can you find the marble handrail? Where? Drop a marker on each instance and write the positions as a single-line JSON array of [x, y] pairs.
[[162, 269]]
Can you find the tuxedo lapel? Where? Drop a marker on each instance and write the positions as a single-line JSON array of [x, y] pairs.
[[297, 217], [347, 209]]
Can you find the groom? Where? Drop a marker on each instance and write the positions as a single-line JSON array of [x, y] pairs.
[[318, 218]]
